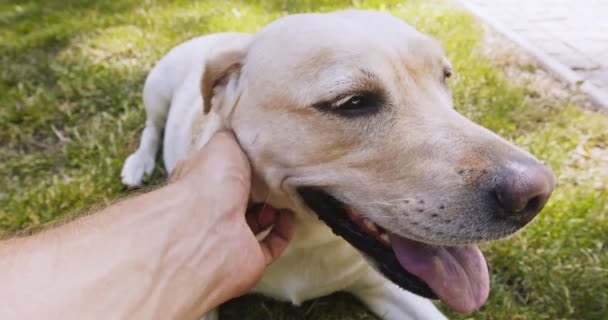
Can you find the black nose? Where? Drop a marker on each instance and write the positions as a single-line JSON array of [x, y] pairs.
[[523, 190]]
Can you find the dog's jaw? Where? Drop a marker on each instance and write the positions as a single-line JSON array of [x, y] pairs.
[[381, 257]]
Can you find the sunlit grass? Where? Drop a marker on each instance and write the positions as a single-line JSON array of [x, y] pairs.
[[71, 73]]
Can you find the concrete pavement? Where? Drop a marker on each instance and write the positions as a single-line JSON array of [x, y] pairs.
[[567, 37]]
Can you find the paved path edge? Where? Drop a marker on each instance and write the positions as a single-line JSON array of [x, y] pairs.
[[599, 97]]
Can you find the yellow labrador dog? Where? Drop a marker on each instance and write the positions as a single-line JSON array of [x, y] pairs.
[[347, 120]]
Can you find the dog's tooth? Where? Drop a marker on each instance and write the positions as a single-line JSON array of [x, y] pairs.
[[384, 237], [370, 225]]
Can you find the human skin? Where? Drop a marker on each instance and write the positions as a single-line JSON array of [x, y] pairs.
[[173, 253]]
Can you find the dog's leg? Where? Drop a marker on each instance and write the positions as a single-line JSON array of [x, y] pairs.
[[390, 302], [143, 160]]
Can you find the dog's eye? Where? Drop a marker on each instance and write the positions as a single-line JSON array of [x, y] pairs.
[[353, 105]]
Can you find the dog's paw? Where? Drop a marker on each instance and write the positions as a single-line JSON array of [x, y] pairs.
[[212, 315], [135, 167]]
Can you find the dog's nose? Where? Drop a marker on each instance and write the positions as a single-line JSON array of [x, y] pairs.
[[523, 191]]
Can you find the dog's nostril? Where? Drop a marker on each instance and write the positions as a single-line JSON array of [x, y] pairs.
[[522, 192], [533, 204]]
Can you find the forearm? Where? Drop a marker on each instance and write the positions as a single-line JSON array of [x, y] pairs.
[[133, 260]]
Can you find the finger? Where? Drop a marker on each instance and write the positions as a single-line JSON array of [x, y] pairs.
[[260, 217], [276, 242], [226, 147], [251, 216], [226, 166]]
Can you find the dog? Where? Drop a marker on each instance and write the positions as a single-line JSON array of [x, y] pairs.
[[347, 120]]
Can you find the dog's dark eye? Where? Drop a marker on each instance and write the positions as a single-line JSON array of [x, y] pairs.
[[353, 105]]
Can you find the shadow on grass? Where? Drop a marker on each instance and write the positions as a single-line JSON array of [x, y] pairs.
[[338, 306]]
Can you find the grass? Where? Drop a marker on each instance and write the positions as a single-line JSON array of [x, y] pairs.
[[71, 73]]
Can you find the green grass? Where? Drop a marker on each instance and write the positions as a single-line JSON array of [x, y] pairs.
[[71, 73]]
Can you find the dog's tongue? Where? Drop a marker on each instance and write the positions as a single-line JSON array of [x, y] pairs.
[[458, 275]]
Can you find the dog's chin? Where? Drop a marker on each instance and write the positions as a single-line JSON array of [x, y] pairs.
[[371, 240]]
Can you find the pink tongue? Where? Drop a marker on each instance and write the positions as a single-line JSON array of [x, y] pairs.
[[458, 275]]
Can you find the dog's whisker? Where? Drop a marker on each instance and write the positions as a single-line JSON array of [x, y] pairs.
[[266, 202]]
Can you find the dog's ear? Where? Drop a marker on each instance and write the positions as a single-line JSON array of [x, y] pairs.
[[219, 86], [220, 69]]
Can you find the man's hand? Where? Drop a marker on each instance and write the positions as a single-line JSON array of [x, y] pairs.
[[174, 253], [218, 177]]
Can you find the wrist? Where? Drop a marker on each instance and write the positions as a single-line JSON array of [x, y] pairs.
[[193, 267]]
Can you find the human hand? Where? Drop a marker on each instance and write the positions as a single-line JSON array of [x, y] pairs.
[[173, 253], [218, 179]]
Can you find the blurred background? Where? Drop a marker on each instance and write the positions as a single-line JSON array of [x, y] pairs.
[[71, 74]]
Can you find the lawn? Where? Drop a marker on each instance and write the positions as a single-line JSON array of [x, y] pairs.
[[71, 74]]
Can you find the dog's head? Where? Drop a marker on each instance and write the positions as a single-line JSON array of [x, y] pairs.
[[349, 115]]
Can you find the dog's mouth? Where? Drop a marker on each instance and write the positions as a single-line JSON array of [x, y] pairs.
[[458, 276]]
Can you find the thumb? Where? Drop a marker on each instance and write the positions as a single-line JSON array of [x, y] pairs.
[[225, 162], [223, 146]]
